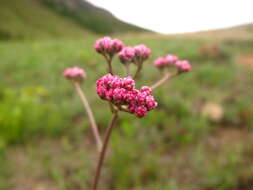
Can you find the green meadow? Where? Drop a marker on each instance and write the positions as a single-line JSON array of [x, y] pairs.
[[199, 137]]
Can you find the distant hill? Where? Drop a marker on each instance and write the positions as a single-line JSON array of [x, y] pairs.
[[91, 17], [241, 32], [43, 19]]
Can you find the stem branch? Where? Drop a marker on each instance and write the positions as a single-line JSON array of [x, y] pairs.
[[127, 69], [90, 115], [166, 77], [109, 62], [103, 151], [139, 67]]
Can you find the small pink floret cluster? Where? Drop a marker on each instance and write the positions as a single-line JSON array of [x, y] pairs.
[[168, 60], [172, 60], [183, 66], [108, 46], [142, 52], [74, 73], [136, 54], [122, 92], [126, 55]]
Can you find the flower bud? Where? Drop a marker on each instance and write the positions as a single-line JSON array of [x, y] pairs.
[[140, 111], [108, 46], [183, 66], [74, 73], [171, 59], [127, 55], [161, 62], [141, 53]]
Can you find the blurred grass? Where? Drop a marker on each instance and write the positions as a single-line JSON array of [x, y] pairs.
[[44, 130]]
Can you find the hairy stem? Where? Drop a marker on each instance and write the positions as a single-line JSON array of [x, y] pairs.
[[166, 77], [103, 151], [90, 115]]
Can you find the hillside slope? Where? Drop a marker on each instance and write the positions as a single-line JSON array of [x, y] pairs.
[[89, 16], [42, 19], [28, 19]]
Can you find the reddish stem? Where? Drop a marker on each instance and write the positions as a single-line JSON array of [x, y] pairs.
[[103, 151]]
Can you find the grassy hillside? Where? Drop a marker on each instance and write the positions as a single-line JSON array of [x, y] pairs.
[[41, 19], [28, 19], [93, 18]]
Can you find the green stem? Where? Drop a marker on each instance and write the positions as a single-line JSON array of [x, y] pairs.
[[139, 67], [109, 63], [90, 115]]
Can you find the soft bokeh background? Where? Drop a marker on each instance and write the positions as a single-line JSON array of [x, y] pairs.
[[199, 138]]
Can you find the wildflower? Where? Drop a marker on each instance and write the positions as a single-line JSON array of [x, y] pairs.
[[74, 73], [171, 59], [141, 53], [122, 92], [183, 66], [127, 55], [168, 60], [161, 62], [108, 46], [146, 89], [140, 111]]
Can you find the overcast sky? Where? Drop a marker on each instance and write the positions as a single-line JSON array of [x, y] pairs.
[[176, 16]]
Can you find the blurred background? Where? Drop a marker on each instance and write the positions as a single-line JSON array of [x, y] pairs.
[[199, 138]]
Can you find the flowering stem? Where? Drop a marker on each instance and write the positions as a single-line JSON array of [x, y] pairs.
[[166, 77], [109, 62], [90, 115], [123, 108], [103, 151], [111, 107], [138, 71], [127, 69]]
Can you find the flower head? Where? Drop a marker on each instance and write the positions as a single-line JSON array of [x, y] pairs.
[[122, 92], [141, 53], [168, 60], [183, 66], [171, 59], [108, 46], [161, 62], [146, 89], [127, 55], [74, 73], [140, 111]]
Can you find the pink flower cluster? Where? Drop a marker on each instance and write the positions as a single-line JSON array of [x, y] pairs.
[[122, 92], [74, 73], [183, 66], [108, 46], [141, 53], [172, 60], [126, 55], [168, 60], [136, 54]]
